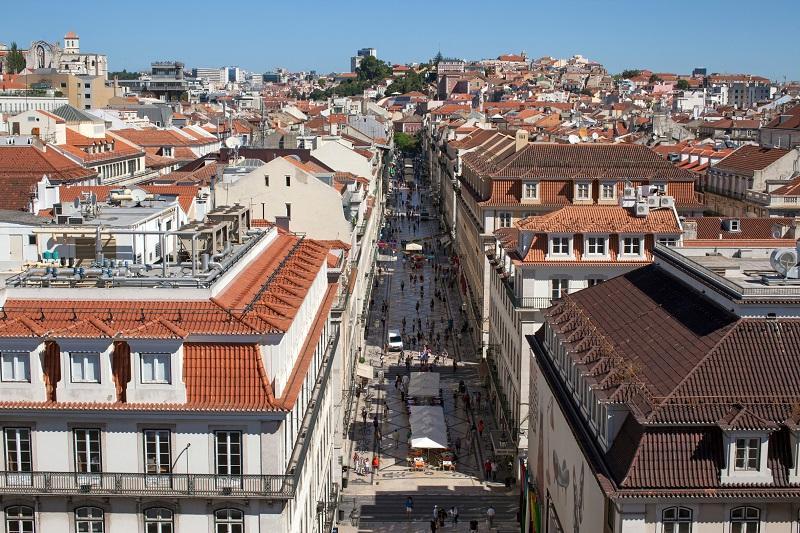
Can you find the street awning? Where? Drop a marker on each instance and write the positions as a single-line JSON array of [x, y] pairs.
[[424, 385], [428, 429], [365, 370]]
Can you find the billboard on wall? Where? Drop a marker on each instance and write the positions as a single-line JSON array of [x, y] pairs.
[[568, 493]]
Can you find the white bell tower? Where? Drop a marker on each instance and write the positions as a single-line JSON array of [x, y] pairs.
[[72, 43]]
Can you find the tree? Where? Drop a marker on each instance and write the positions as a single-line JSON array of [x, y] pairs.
[[371, 68], [410, 82], [15, 61], [123, 75], [630, 73], [655, 79], [438, 58], [405, 142], [682, 85]]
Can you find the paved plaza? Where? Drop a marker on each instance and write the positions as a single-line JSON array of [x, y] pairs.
[[374, 500]]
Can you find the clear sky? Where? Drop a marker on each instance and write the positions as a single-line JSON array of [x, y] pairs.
[[662, 35]]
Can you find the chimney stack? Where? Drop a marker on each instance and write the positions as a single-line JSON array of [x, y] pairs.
[[521, 140], [282, 222]]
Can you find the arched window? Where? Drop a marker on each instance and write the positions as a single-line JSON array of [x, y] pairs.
[[19, 519], [677, 520], [229, 521], [157, 520], [89, 520], [745, 520]]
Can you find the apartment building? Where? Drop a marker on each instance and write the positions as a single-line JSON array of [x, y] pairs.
[[665, 400], [193, 394], [500, 179], [545, 257]]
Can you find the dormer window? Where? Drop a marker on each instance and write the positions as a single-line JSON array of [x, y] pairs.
[[596, 246], [85, 367], [608, 191], [582, 191], [16, 366], [747, 454], [746, 458], [156, 368], [632, 246], [530, 190], [559, 245]]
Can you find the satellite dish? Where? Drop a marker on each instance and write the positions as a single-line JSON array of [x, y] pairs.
[[138, 195], [233, 142], [777, 232], [574, 139], [784, 261]]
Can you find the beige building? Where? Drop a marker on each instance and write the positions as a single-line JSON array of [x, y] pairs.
[[83, 92], [286, 188]]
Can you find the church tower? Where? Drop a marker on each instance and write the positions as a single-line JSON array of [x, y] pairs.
[[72, 43]]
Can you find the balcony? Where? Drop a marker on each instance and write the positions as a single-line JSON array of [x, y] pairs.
[[533, 302], [276, 486]]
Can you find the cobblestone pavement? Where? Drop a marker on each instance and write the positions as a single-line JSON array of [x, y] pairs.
[[373, 499]]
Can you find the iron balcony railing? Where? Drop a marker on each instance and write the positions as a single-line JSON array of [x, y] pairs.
[[275, 486]]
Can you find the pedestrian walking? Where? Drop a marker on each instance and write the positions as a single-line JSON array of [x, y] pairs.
[[458, 445], [409, 505], [396, 381], [433, 526], [490, 516], [494, 470], [478, 400], [364, 415], [436, 513], [454, 515], [487, 469], [375, 463]]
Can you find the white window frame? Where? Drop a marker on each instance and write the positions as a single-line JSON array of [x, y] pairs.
[[679, 522], [18, 441], [151, 359], [16, 367], [504, 219], [224, 522], [158, 520], [749, 453], [93, 522], [559, 286], [85, 356], [604, 187], [526, 186], [578, 186], [745, 524], [560, 238], [82, 439], [670, 241], [158, 439], [226, 460], [635, 239], [21, 520], [587, 248]]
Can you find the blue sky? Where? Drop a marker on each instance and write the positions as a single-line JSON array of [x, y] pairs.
[[662, 35]]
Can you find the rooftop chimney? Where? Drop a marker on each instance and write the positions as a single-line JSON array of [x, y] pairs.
[[689, 229], [282, 222], [521, 140]]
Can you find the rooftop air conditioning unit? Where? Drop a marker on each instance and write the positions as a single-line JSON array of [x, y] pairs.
[[667, 201], [642, 210], [653, 202]]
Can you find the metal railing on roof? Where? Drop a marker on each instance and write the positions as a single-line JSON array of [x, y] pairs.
[[722, 284]]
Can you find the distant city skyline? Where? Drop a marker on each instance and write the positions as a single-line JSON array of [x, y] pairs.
[[260, 36]]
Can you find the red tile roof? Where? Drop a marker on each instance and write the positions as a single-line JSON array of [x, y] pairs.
[[750, 158], [601, 219], [788, 120], [21, 167]]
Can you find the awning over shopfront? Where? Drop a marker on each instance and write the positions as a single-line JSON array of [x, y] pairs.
[[365, 370], [428, 429], [424, 385]]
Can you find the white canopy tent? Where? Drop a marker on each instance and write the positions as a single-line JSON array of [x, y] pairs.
[[424, 385], [428, 429], [413, 247]]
